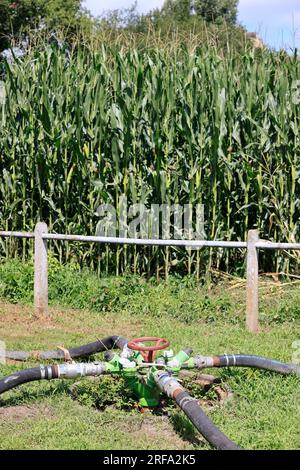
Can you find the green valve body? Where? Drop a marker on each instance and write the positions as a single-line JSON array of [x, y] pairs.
[[148, 395], [140, 375]]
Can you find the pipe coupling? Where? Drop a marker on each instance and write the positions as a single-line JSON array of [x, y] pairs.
[[72, 371], [201, 362], [168, 384]]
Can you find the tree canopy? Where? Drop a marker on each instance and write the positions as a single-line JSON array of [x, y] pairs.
[[19, 15], [216, 10], [210, 10]]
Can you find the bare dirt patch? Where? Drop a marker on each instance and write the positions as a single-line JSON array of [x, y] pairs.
[[18, 413], [157, 428], [18, 322]]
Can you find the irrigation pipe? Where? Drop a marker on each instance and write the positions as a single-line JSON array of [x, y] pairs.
[[245, 360], [111, 342], [164, 379]]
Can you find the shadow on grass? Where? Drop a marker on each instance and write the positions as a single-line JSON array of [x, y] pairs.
[[185, 429], [30, 395]]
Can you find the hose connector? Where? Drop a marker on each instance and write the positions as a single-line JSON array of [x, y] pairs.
[[167, 384], [72, 371], [203, 362]]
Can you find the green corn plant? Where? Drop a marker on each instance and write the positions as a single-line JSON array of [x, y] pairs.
[[97, 124]]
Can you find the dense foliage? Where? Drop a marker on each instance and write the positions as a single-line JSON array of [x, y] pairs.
[[205, 18], [210, 10], [85, 127], [19, 16]]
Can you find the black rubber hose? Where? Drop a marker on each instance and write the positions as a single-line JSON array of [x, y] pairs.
[[19, 378], [202, 422], [111, 342], [257, 362]]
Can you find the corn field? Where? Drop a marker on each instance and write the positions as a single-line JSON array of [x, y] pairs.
[[81, 128]]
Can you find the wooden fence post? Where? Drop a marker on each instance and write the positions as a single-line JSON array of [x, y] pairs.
[[40, 271], [252, 282]]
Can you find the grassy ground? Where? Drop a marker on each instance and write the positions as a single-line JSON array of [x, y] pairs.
[[262, 414]]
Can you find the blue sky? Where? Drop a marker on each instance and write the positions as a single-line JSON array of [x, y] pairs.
[[277, 21]]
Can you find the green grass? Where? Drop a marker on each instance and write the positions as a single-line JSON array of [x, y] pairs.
[[182, 298], [263, 414]]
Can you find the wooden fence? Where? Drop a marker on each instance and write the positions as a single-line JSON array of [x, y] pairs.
[[252, 247]]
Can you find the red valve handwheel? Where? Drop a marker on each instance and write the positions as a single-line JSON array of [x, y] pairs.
[[148, 352]]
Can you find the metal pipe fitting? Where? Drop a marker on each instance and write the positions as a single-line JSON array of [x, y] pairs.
[[72, 371], [167, 384], [203, 362]]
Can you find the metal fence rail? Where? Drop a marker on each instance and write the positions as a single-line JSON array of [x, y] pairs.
[[16, 235], [252, 245], [145, 242]]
